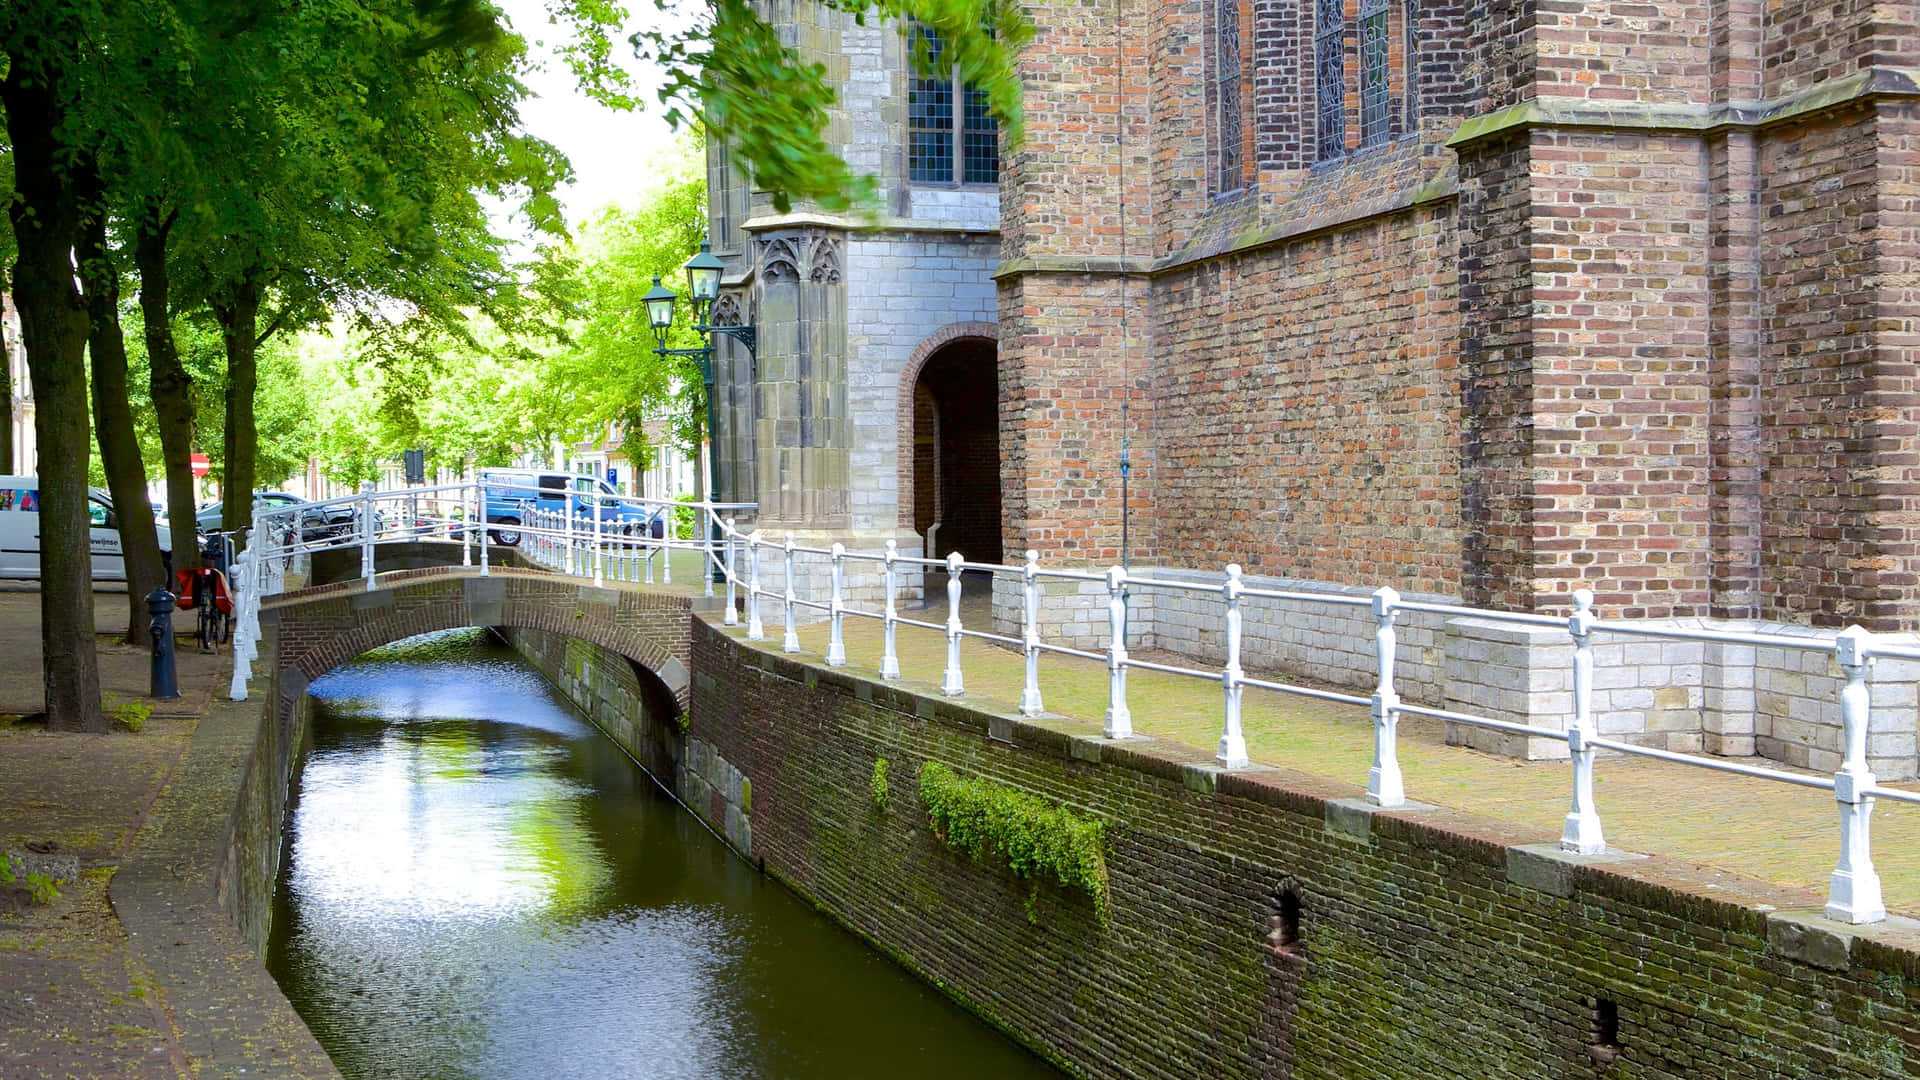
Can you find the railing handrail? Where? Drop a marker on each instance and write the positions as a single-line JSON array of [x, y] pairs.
[[568, 531]]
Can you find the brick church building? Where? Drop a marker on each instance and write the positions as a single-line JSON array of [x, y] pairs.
[[1488, 302]]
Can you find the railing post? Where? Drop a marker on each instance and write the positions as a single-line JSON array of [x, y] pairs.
[[1384, 784], [732, 524], [1853, 896], [466, 534], [1030, 636], [951, 683], [1233, 742], [1119, 717], [366, 533], [1582, 831], [756, 631], [653, 549], [836, 612], [706, 539], [480, 500], [249, 588], [889, 660], [790, 640], [598, 554], [569, 515]]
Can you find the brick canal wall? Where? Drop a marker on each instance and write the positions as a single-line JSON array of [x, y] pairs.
[[1259, 927]]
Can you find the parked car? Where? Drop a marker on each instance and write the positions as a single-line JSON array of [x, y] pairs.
[[20, 532], [512, 493], [316, 524]]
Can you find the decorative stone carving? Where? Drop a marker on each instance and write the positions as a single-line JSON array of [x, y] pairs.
[[726, 310], [807, 255]]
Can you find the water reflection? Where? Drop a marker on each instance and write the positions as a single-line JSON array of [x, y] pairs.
[[478, 885]]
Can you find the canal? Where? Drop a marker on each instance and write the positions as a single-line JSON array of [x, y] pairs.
[[477, 884]]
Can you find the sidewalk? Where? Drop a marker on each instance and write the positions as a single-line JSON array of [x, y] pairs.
[[78, 995]]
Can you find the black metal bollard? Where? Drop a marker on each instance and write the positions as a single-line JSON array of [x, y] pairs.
[[165, 683]]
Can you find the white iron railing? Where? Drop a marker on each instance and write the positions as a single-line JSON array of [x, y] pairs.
[[604, 546]]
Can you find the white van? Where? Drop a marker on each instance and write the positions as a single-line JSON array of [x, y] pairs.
[[20, 532]]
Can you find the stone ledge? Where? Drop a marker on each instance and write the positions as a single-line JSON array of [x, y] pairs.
[[1548, 869]]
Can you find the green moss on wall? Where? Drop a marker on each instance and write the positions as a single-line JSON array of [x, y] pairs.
[[1035, 838]]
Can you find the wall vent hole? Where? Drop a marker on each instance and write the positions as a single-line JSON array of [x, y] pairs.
[[1286, 924], [1605, 1046]]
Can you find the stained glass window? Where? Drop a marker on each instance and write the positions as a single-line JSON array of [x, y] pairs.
[[949, 135], [1330, 68], [1374, 116], [1227, 167]]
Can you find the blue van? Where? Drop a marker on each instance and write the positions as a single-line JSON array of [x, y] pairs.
[[511, 493]]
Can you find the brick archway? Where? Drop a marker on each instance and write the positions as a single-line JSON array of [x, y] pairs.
[[984, 332], [320, 629]]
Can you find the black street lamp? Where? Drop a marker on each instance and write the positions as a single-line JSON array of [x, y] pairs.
[[703, 288]]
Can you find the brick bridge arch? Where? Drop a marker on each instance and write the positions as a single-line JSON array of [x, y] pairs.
[[319, 629]]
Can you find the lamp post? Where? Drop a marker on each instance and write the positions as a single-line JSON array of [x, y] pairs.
[[703, 288]]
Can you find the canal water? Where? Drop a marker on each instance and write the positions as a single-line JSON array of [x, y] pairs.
[[477, 884]]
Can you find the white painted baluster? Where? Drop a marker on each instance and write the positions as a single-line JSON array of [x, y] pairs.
[[569, 515], [666, 565], [599, 552], [366, 533], [790, 640], [1384, 784], [654, 549], [1119, 717], [249, 588], [836, 610], [1582, 831], [732, 525], [1030, 636], [1853, 895], [1233, 742], [466, 534], [755, 630], [951, 683], [889, 660], [707, 561], [480, 504]]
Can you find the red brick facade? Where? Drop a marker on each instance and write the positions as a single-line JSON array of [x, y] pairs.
[[1623, 301]]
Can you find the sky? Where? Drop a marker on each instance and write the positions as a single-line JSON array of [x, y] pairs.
[[611, 151]]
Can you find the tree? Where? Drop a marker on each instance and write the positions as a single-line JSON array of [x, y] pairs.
[[42, 39]]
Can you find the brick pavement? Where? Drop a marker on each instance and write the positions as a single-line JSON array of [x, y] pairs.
[[82, 993]]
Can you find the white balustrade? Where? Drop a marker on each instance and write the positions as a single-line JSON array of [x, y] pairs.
[[889, 658], [1119, 723], [559, 540], [1384, 784], [1233, 743], [951, 682], [836, 610], [1582, 831]]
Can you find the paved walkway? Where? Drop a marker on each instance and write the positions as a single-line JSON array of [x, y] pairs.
[[1782, 834], [79, 994]]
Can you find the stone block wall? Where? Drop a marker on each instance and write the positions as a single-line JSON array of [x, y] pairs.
[[1256, 926]]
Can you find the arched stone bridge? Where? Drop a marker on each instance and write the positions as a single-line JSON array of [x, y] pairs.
[[322, 627]]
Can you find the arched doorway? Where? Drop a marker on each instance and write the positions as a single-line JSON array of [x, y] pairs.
[[956, 450]]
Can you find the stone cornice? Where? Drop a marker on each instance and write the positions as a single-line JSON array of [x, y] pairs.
[[1074, 264], [861, 224], [1863, 87]]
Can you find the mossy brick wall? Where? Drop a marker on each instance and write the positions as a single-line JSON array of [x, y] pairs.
[[1428, 943]]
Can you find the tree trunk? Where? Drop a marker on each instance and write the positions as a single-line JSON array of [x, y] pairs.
[[53, 326], [171, 386], [6, 393], [113, 413], [239, 317]]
